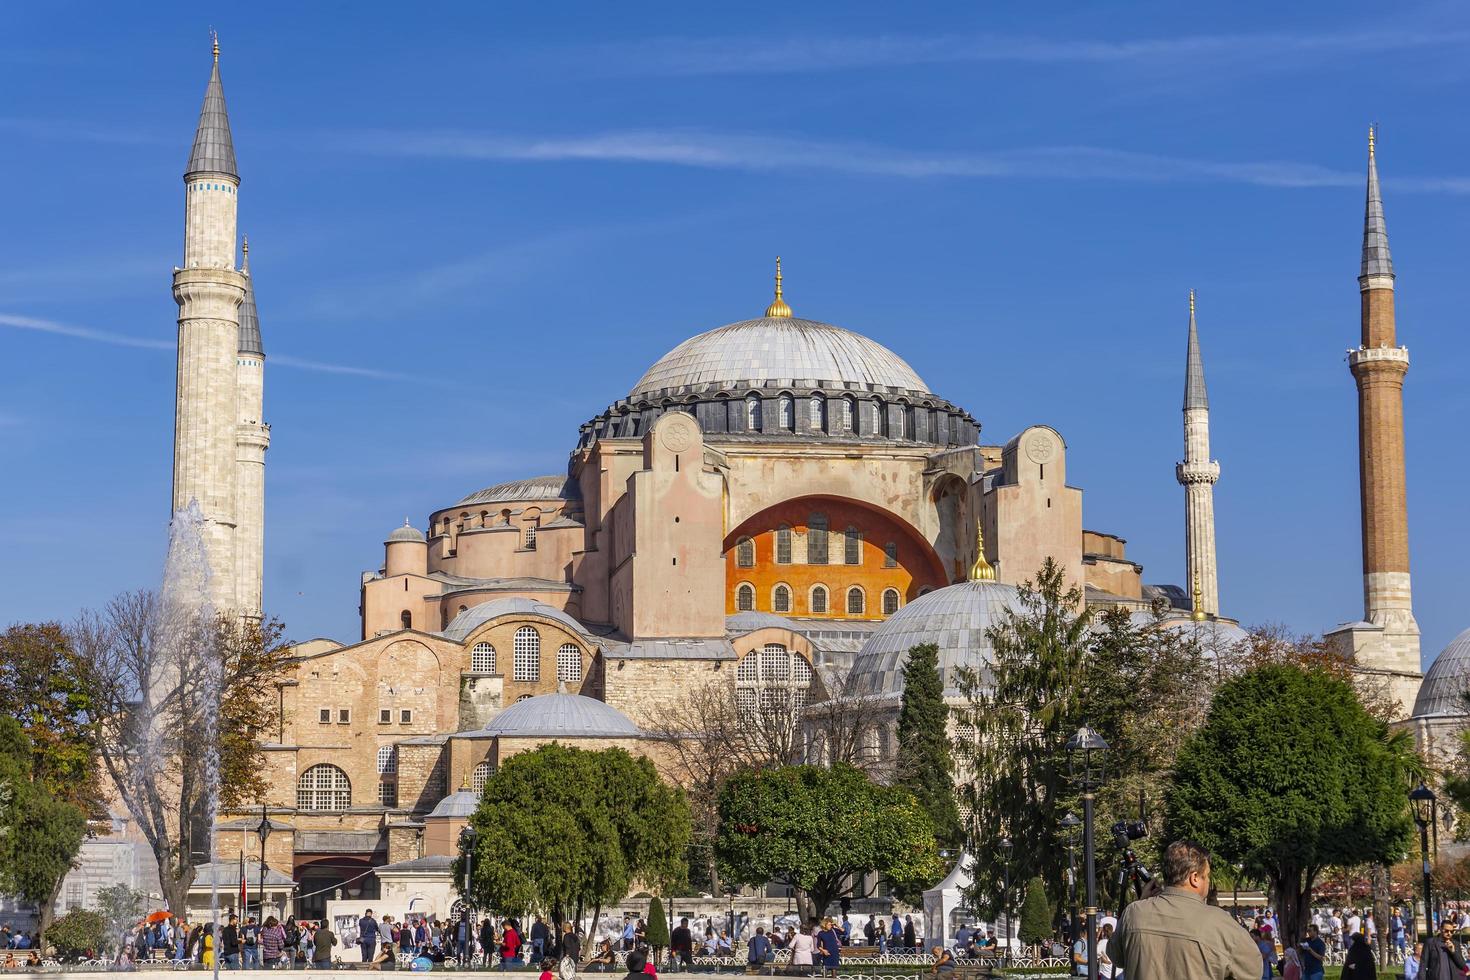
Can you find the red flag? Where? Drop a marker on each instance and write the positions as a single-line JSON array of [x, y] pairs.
[[244, 895]]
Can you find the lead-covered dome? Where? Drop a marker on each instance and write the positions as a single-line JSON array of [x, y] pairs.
[[1444, 686], [561, 715], [955, 618], [779, 350]]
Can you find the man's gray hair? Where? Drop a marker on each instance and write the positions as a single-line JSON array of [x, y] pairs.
[[1182, 859]]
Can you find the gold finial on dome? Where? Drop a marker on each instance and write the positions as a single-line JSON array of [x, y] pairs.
[[981, 571], [214, 39], [1191, 303], [778, 307], [1199, 613], [1372, 131]]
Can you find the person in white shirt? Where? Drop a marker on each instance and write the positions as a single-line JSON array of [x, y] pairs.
[[1354, 924], [802, 947]]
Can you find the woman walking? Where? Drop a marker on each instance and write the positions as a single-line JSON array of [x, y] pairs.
[[829, 944]]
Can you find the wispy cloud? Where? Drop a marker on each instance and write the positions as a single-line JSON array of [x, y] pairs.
[[763, 153], [148, 343], [765, 55], [74, 130]]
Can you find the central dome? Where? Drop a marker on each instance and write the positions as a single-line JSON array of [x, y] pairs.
[[779, 350]]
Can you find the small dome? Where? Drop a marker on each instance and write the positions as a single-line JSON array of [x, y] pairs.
[[955, 618], [476, 616], [1442, 691], [407, 533], [536, 488], [561, 715], [779, 350], [1215, 636], [458, 804]]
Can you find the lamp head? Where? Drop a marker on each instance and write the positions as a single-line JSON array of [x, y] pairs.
[[1422, 800]]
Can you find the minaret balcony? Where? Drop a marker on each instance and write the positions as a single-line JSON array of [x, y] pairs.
[[1202, 472], [1365, 360]]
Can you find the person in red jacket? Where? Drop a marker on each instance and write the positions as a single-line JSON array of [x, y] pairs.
[[510, 944]]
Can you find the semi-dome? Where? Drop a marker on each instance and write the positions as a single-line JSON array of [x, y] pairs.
[[1444, 686], [536, 488], [561, 715], [461, 803], [955, 618], [407, 533], [779, 350], [461, 626]]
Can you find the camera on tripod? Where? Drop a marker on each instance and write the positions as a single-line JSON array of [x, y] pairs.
[[1127, 831]]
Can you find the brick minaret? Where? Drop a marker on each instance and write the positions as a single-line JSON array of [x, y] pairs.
[[209, 292], [1197, 474], [1379, 365]]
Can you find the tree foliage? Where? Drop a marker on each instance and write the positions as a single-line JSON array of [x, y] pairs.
[[925, 767], [78, 932], [562, 829], [1036, 917], [815, 829], [1289, 774], [121, 909], [1140, 684], [40, 832], [153, 675], [656, 926]]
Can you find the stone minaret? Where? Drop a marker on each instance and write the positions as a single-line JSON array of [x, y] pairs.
[[209, 292], [1197, 474], [252, 438], [1379, 366]]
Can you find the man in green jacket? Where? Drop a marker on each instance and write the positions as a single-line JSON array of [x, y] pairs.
[[1176, 936]]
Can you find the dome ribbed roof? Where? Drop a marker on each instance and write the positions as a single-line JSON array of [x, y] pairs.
[[1442, 692], [954, 618], [562, 716], [536, 488], [461, 803], [474, 617], [779, 350], [407, 533]]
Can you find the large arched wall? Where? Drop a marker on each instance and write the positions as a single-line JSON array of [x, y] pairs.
[[914, 568]]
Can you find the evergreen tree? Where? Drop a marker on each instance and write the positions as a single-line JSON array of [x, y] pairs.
[[656, 931], [925, 766], [1035, 914]]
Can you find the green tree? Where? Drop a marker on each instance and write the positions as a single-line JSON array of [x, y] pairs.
[[78, 932], [564, 829], [1036, 918], [656, 927], [925, 761], [818, 829], [121, 909], [1289, 774], [42, 687], [40, 833]]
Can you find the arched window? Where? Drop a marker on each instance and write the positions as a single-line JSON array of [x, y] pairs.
[[753, 413], [745, 598], [910, 423], [463, 608], [781, 599], [323, 787], [816, 539], [783, 545], [786, 412], [774, 682], [819, 600], [481, 772], [387, 760], [527, 655], [890, 555], [482, 659], [569, 662], [406, 619], [819, 413], [855, 601], [530, 537], [890, 601], [849, 412], [745, 553], [852, 546]]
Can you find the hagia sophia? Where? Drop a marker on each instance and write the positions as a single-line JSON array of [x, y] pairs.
[[772, 498]]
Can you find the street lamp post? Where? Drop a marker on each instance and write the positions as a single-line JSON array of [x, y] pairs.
[[1088, 746], [1421, 799], [468, 838], [1070, 823], [263, 831], [1004, 844]]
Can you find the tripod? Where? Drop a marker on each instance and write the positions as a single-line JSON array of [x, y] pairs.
[[1131, 872]]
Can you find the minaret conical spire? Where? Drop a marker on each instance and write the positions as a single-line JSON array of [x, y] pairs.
[[214, 149], [250, 342], [1376, 258], [1195, 395]]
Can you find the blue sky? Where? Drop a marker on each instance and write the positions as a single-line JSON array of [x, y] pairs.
[[473, 227]]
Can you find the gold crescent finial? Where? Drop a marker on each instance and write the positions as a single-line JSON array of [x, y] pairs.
[[1199, 614], [778, 307], [214, 39], [981, 571], [1191, 302], [245, 247], [1372, 132]]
